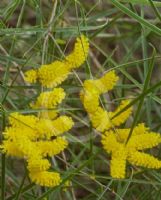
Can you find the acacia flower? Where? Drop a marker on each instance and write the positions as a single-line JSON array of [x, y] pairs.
[[45, 178], [30, 137], [101, 119], [36, 138], [114, 142], [51, 75], [47, 101], [113, 139]]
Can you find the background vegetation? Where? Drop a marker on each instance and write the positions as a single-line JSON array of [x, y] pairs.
[[125, 35]]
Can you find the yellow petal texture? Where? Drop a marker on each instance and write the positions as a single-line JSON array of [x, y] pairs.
[[31, 138], [87, 99], [62, 124], [11, 149], [49, 128], [14, 133], [109, 141], [50, 99], [118, 163], [45, 178], [144, 160], [38, 165], [122, 117], [102, 85], [49, 114], [79, 54], [51, 148], [31, 76], [114, 142], [51, 75], [21, 121], [92, 89], [101, 119], [28, 147], [144, 141], [140, 129]]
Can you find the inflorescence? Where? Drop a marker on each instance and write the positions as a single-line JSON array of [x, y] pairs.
[[114, 140], [36, 138]]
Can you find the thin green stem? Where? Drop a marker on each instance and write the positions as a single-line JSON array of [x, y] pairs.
[[20, 188], [142, 21], [146, 84]]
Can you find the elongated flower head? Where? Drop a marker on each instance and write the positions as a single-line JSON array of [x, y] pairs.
[[31, 76], [45, 178], [52, 148], [79, 54], [51, 75], [101, 119], [49, 99], [114, 142], [38, 165], [103, 84]]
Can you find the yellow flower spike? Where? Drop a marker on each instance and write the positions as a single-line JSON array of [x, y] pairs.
[[11, 149], [50, 99], [45, 178], [31, 76], [48, 128], [55, 73], [51, 148], [19, 120], [32, 128], [79, 54], [110, 142], [102, 120], [118, 163], [107, 82], [144, 141], [102, 85], [144, 160], [62, 124], [49, 114], [140, 128], [121, 118], [38, 165], [17, 133], [115, 143], [28, 147], [94, 88], [88, 97]]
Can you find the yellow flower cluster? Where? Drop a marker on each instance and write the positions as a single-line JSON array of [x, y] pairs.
[[100, 118], [31, 138], [114, 142], [55, 73], [113, 139], [36, 138], [47, 101]]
